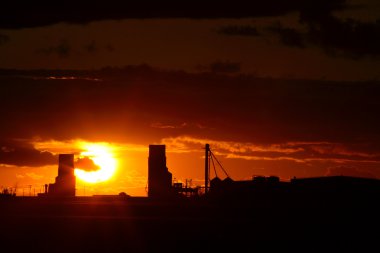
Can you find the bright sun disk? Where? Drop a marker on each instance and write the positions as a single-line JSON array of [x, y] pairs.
[[102, 156]]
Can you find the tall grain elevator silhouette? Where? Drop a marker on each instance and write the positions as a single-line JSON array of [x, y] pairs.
[[64, 185], [159, 178]]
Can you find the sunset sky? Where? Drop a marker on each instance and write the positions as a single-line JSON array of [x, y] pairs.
[[286, 88]]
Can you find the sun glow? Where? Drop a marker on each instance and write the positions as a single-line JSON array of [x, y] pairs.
[[102, 156]]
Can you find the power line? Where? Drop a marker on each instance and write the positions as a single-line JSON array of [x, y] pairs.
[[225, 172]]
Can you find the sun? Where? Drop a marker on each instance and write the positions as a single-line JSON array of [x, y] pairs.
[[102, 156]]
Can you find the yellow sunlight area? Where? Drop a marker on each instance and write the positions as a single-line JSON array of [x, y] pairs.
[[102, 156]]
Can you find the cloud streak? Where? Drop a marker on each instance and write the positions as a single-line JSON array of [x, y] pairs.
[[168, 126], [297, 152], [249, 117], [245, 108], [63, 49]]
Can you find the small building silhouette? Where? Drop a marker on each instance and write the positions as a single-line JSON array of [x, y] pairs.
[[64, 185]]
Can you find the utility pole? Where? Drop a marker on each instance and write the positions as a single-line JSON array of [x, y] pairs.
[[207, 154]]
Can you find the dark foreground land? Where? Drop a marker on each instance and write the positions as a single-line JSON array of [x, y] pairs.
[[313, 224]]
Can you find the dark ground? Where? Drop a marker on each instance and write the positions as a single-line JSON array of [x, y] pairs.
[[141, 225]]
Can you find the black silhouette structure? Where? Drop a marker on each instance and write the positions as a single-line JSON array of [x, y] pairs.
[[7, 193], [207, 166], [159, 178], [259, 188], [64, 185], [264, 214]]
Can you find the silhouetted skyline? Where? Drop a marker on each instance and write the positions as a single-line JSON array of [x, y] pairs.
[[283, 88], [189, 126], [317, 213]]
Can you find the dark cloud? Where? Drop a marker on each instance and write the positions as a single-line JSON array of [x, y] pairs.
[[65, 49], [339, 38], [318, 26], [344, 170], [245, 30], [127, 101], [87, 164], [21, 14], [348, 38], [288, 36], [93, 47], [3, 39], [62, 49], [342, 38], [300, 122], [21, 153], [226, 67]]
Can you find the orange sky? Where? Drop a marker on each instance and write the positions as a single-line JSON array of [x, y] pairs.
[[281, 89], [185, 160]]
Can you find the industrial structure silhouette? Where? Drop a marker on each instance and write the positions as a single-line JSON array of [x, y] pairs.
[[161, 186], [159, 177], [64, 185], [307, 214]]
